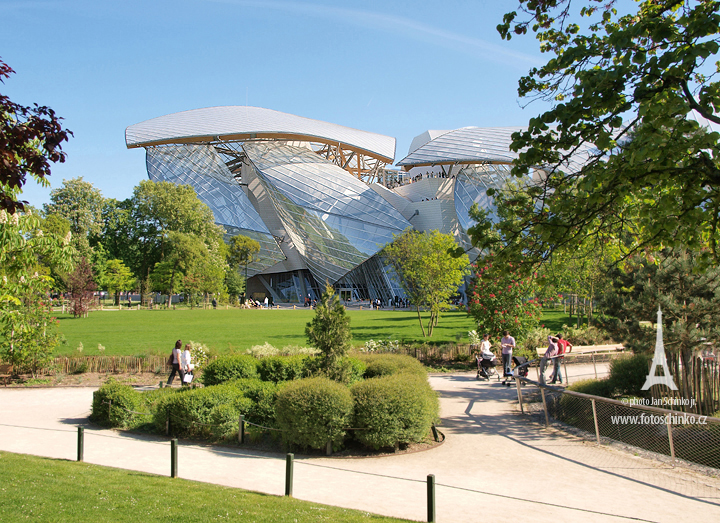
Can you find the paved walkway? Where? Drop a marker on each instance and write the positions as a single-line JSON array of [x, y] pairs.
[[494, 465]]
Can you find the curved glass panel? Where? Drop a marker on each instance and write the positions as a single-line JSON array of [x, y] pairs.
[[334, 221], [471, 187], [202, 168]]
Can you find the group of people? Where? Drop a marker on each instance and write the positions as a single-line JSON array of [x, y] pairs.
[[181, 364], [507, 344], [557, 347]]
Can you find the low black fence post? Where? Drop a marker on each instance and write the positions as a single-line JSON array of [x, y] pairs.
[[431, 498], [241, 429], [81, 444], [173, 458], [289, 474], [436, 437]]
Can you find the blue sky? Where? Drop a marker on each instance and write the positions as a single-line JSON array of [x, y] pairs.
[[392, 67]]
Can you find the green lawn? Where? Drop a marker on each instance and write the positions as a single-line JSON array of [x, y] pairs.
[[555, 319], [143, 332], [41, 489], [150, 332]]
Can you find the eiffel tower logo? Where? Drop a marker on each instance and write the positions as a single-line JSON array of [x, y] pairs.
[[659, 360]]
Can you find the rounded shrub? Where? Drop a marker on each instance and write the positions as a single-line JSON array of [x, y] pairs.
[[115, 404], [353, 370], [230, 367], [313, 411], [393, 410], [628, 374], [263, 395], [208, 412], [387, 364], [281, 368]]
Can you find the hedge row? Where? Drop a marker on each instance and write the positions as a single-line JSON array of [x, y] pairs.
[[288, 368], [386, 411]]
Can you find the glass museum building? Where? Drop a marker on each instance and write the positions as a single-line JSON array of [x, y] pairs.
[[322, 199]]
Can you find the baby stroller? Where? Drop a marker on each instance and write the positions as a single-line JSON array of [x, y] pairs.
[[521, 370], [486, 367]]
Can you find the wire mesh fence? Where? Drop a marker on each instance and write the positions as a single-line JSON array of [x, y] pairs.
[[680, 435]]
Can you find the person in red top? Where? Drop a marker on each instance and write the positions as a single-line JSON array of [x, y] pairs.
[[564, 346]]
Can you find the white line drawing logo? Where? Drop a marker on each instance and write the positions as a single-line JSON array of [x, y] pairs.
[[659, 359]]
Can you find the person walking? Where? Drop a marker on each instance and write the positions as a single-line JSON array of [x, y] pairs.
[[187, 365], [508, 344], [176, 363]]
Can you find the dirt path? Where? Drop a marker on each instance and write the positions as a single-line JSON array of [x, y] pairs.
[[494, 466]]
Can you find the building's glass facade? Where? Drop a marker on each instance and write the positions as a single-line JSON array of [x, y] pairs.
[[315, 218]]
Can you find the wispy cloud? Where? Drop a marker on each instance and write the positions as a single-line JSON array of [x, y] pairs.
[[399, 25]]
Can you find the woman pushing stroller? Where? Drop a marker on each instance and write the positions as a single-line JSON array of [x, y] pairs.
[[485, 359]]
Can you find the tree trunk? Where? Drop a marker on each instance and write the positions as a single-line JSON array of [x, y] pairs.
[[420, 320]]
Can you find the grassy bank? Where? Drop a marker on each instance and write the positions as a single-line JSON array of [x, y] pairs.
[[43, 489]]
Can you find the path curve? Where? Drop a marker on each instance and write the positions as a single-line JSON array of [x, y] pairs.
[[494, 466]]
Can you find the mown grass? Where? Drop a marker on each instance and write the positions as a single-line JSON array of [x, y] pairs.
[[154, 332], [128, 333], [555, 319], [41, 489]]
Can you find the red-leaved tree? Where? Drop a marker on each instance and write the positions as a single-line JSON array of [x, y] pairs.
[[30, 139], [81, 286], [504, 299]]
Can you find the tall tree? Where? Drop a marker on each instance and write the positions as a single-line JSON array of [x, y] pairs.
[[241, 251], [117, 278], [503, 299], [429, 274], [142, 223], [30, 140], [80, 203], [620, 154], [690, 302], [184, 253]]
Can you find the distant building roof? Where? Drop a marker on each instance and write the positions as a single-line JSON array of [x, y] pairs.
[[464, 145], [237, 123]]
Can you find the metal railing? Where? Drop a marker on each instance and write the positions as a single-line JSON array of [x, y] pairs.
[[680, 435]]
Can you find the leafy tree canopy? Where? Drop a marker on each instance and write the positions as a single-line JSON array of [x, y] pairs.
[[625, 89], [81, 204], [241, 250], [30, 140], [137, 230]]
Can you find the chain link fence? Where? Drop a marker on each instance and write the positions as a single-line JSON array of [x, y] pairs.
[[680, 435]]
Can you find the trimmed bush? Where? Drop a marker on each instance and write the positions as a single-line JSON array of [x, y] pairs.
[[209, 412], [346, 370], [387, 364], [313, 411], [394, 410], [111, 403], [281, 368], [628, 374], [263, 395], [226, 368], [353, 370]]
